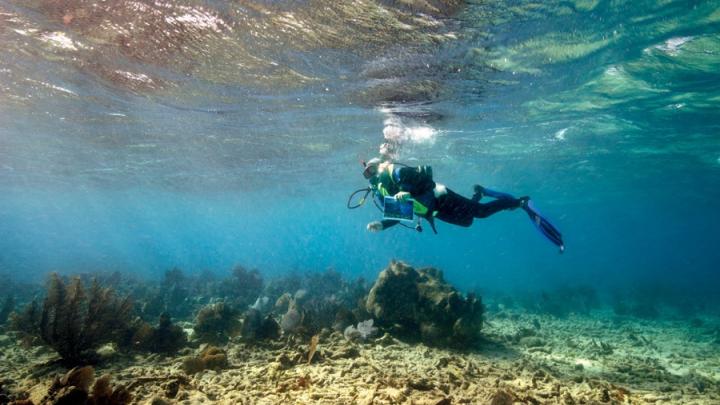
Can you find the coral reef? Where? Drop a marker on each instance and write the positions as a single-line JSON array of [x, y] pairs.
[[216, 323], [8, 305], [640, 304], [5, 397], [345, 318], [564, 301], [242, 288], [173, 296], [27, 321], [562, 366], [262, 304], [324, 300], [291, 321], [74, 322], [178, 294], [650, 300], [184, 295], [166, 338], [414, 303], [559, 302], [255, 326], [211, 358], [637, 308], [287, 283], [21, 291], [535, 350], [305, 304]]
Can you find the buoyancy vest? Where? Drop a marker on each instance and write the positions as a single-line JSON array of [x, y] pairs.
[[388, 186]]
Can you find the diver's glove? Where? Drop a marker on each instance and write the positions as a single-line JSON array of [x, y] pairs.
[[375, 226], [403, 196]]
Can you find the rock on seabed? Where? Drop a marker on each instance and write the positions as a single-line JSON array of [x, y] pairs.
[[414, 303]]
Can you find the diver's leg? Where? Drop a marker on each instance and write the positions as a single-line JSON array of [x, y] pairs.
[[485, 210], [478, 192], [455, 209], [458, 210]]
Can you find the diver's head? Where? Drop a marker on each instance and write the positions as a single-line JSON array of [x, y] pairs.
[[371, 168]]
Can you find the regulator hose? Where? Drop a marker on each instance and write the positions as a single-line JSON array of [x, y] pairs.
[[367, 191]]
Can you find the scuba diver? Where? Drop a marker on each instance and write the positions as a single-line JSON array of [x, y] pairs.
[[432, 200]]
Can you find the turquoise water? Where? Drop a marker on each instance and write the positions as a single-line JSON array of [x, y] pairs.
[[139, 136]]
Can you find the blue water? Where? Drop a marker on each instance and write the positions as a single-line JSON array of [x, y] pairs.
[[222, 134]]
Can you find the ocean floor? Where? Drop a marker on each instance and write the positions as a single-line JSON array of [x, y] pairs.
[[524, 358]]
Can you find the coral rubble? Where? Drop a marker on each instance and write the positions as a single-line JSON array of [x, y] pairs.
[[211, 358], [74, 388]]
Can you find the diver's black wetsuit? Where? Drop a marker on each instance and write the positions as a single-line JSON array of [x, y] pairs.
[[458, 210], [449, 207]]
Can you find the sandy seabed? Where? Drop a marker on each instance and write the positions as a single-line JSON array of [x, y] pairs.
[[524, 358]]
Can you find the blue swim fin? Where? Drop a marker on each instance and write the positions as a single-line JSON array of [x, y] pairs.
[[541, 223], [544, 226]]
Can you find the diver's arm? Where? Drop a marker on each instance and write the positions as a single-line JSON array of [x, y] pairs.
[[387, 223], [377, 226]]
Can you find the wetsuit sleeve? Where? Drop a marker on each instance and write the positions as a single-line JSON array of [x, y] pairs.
[[415, 180]]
